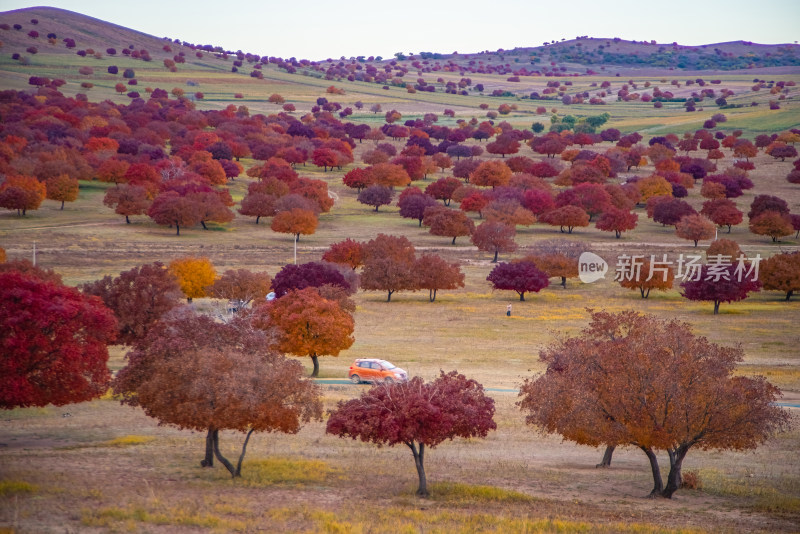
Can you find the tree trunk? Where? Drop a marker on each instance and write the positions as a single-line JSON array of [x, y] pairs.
[[606, 462], [62, 205], [315, 361], [789, 294], [212, 435], [203, 223], [495, 256], [127, 220], [564, 282], [729, 228], [258, 217], [389, 296], [420, 223], [454, 240], [224, 461], [618, 233], [432, 295], [522, 296], [178, 229], [296, 238], [658, 484], [716, 307], [695, 242], [238, 472], [419, 461], [674, 478]]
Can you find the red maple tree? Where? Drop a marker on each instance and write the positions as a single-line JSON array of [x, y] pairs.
[[54, 343], [416, 414]]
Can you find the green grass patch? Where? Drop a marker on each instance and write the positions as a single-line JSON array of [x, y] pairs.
[[767, 495], [16, 487], [293, 471], [185, 514], [125, 441], [412, 521], [459, 492]]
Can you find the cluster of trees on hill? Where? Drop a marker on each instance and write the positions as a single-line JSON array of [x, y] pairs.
[[191, 371]]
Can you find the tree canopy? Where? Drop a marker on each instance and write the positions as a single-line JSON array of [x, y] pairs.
[[634, 379]]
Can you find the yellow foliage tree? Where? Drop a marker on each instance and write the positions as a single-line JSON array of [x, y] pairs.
[[653, 186], [194, 275]]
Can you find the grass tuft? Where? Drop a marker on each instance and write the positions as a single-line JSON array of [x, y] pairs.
[[185, 514], [124, 441], [457, 491], [270, 471], [15, 487]]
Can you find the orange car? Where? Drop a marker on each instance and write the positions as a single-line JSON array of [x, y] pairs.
[[374, 370]]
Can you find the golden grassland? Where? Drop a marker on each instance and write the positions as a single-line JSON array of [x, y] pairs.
[[515, 480]]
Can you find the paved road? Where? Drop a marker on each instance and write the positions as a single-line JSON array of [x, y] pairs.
[[338, 381]]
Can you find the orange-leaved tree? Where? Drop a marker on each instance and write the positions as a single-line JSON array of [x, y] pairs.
[[592, 392], [695, 227], [781, 272], [556, 265], [347, 252], [197, 373], [194, 275], [22, 193], [389, 265], [307, 324], [434, 273], [646, 275], [494, 236], [295, 221], [241, 285], [62, 188]]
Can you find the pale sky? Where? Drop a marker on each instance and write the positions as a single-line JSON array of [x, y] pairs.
[[318, 29]]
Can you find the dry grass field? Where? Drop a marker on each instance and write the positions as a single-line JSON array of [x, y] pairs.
[[102, 467]]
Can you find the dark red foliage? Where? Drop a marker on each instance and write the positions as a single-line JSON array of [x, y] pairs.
[[416, 414], [443, 189], [412, 203], [736, 287], [54, 343], [670, 211], [521, 276], [764, 203], [312, 274], [376, 195]]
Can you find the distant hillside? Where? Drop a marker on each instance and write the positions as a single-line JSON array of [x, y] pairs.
[[87, 32], [583, 55], [586, 55]]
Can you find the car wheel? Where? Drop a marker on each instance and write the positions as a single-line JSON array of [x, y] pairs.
[[388, 381], [355, 379]]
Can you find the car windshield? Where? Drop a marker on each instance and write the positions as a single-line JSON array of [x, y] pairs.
[[386, 365]]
